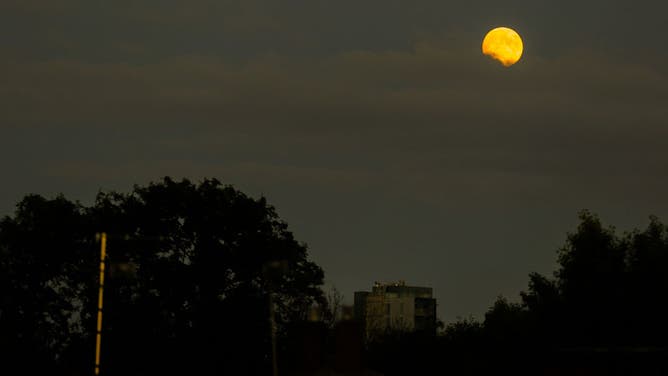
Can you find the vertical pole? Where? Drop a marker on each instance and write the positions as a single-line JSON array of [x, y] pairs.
[[272, 320], [98, 339]]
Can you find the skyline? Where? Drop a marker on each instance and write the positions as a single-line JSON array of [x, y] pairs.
[[381, 134]]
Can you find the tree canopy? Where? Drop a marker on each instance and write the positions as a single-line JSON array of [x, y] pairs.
[[603, 310], [191, 267], [607, 292]]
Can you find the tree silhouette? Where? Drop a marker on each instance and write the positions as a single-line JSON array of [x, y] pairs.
[[591, 280], [603, 312], [647, 281], [197, 302], [606, 290], [333, 308], [43, 249]]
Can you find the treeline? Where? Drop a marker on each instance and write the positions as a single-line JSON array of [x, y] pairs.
[[604, 310], [190, 269], [193, 268]]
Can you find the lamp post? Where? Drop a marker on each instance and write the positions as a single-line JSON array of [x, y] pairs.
[[273, 271], [98, 337], [120, 269], [272, 322]]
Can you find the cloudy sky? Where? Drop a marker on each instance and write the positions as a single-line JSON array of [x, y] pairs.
[[380, 132]]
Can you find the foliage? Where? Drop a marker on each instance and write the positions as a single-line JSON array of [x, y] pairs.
[[334, 307], [45, 260], [198, 299], [606, 292], [464, 332], [603, 309]]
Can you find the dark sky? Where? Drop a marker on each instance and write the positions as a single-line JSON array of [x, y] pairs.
[[383, 136]]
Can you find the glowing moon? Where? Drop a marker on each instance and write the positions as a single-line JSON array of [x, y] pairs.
[[503, 44]]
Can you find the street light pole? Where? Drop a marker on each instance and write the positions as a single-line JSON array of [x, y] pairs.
[[273, 271], [272, 322], [98, 339]]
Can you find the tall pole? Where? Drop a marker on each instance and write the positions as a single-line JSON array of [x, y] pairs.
[[272, 321], [98, 339]]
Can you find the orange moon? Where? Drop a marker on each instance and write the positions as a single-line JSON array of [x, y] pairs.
[[504, 45]]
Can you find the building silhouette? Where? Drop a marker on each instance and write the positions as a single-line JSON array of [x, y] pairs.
[[395, 306]]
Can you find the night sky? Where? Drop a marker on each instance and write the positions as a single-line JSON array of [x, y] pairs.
[[378, 130]]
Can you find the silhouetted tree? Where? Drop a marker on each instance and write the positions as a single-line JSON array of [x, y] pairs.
[[506, 325], [333, 309], [648, 285], [606, 292], [607, 295], [43, 254], [197, 303], [464, 333], [544, 308], [591, 280]]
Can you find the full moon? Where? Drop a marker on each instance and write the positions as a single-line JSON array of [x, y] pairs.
[[503, 44]]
